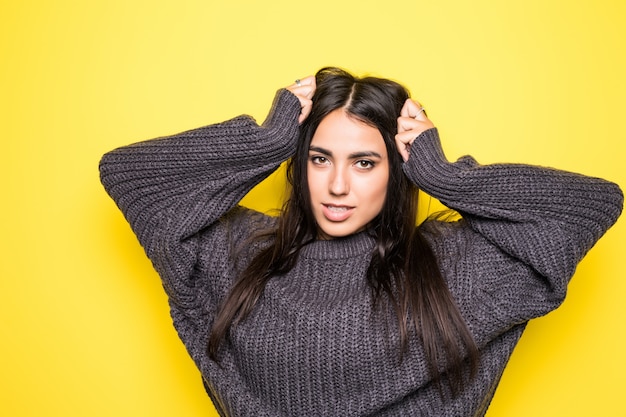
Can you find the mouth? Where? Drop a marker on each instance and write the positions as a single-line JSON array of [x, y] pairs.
[[337, 212]]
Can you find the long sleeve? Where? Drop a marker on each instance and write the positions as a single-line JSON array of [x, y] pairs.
[[170, 188], [528, 227]]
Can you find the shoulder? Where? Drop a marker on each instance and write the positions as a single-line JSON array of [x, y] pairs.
[[445, 230], [225, 248], [493, 289], [242, 223], [465, 255], [468, 261], [237, 235], [451, 237], [238, 225]]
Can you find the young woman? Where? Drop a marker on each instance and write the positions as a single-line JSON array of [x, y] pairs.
[[341, 305]]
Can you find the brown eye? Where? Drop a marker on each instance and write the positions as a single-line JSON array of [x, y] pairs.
[[319, 160], [364, 164]]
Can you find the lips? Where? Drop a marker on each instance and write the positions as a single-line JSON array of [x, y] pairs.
[[337, 212]]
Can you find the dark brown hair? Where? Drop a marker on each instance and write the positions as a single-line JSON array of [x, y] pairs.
[[403, 271]]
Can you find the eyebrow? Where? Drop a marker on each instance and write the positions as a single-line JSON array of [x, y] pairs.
[[351, 156]]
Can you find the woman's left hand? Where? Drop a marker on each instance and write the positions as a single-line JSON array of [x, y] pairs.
[[411, 123]]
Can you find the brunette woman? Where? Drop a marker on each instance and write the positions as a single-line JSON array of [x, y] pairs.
[[341, 306]]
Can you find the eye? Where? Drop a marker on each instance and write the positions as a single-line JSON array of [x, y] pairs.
[[364, 164], [319, 160]]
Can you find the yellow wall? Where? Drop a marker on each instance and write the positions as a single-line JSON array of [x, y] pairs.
[[85, 325]]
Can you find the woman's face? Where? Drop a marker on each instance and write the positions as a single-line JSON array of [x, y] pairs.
[[348, 172]]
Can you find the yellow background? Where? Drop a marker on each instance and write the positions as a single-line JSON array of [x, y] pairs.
[[85, 324]]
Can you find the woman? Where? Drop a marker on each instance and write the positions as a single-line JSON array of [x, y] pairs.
[[341, 306]]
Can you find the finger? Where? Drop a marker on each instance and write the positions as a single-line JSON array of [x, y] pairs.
[[414, 126], [310, 80], [407, 137], [421, 114], [304, 81], [408, 131], [405, 140], [413, 108], [403, 147], [303, 90], [305, 110], [404, 112], [407, 123], [410, 107], [305, 86]]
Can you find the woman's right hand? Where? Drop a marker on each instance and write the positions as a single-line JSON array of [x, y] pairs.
[[411, 123], [304, 89]]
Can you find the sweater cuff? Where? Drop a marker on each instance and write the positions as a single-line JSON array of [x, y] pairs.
[[426, 159], [281, 125], [430, 170], [284, 111]]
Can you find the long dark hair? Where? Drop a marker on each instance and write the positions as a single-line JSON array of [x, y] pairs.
[[403, 269]]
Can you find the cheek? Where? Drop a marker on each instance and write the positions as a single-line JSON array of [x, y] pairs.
[[382, 182], [314, 183], [381, 191], [376, 191]]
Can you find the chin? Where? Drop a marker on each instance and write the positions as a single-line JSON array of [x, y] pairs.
[[336, 232]]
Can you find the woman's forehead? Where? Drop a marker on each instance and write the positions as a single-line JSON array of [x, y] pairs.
[[340, 133]]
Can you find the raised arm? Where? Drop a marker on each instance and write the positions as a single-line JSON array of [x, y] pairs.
[[524, 229], [185, 182], [544, 217]]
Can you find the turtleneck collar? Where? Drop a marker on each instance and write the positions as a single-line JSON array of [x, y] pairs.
[[340, 248]]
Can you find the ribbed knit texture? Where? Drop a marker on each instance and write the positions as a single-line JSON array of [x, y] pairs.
[[314, 345]]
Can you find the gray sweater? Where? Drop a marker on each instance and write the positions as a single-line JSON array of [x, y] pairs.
[[314, 345]]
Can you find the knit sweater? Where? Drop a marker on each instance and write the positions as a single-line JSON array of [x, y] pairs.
[[314, 345]]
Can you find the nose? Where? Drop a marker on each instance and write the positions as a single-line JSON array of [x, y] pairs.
[[339, 183]]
